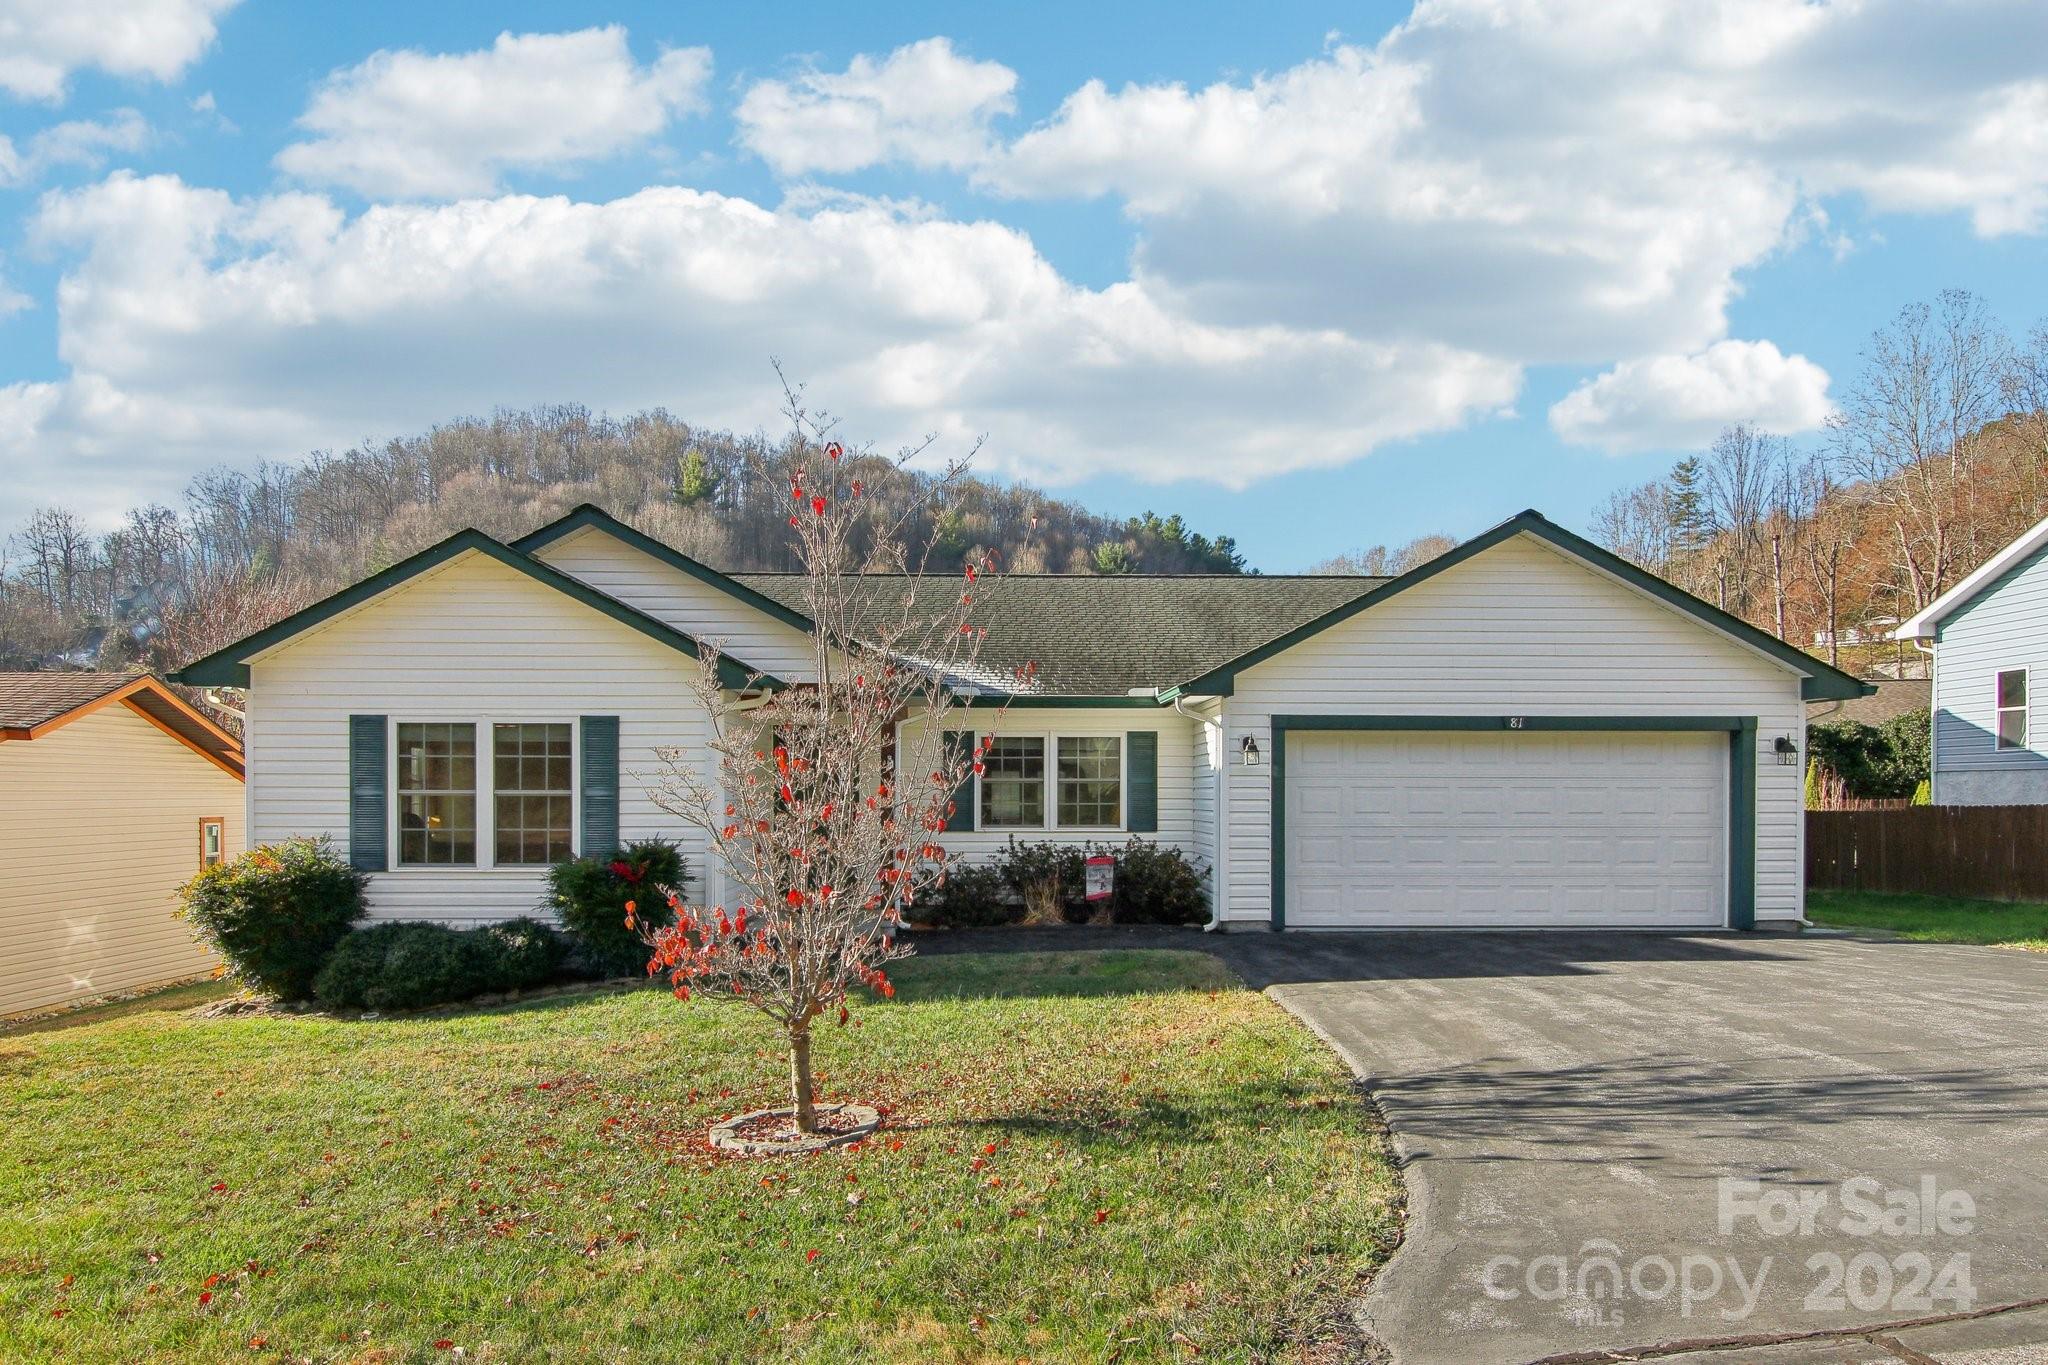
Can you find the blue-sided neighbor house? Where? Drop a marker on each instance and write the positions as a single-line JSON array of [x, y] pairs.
[[1989, 638], [1526, 731]]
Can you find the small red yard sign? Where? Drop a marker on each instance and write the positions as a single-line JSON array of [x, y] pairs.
[[1101, 876]]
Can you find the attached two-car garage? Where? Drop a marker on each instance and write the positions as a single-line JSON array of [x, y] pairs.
[[1506, 827]]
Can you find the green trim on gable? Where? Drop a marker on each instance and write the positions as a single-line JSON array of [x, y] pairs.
[[1742, 730], [590, 516], [1820, 682], [229, 667]]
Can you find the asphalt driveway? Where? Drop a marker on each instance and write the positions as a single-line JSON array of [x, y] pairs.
[[1619, 1141]]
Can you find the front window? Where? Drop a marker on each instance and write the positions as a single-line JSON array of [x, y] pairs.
[[1013, 783], [437, 795], [1091, 772], [2012, 708], [531, 793]]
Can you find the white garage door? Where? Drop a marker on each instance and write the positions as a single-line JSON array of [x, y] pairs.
[[1506, 828]]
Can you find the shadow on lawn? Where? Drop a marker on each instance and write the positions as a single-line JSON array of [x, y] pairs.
[[1152, 1119]]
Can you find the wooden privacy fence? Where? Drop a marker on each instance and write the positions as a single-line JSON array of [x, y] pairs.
[[1996, 852]]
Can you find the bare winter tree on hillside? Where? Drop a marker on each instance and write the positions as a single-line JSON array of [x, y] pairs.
[[1911, 425]]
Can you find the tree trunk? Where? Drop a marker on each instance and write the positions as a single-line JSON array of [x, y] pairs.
[[1778, 578], [802, 1098]]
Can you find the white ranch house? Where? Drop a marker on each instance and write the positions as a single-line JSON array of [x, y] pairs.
[[1527, 731]]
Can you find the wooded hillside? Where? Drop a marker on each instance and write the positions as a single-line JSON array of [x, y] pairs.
[[1936, 459], [173, 583]]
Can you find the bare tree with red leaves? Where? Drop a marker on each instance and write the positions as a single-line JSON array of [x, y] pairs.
[[825, 800]]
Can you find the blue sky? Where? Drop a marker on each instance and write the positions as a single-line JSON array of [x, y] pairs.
[[1317, 277]]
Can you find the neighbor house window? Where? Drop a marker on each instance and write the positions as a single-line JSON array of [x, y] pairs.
[[436, 795], [1013, 783], [2012, 708], [531, 794], [212, 841], [1091, 785]]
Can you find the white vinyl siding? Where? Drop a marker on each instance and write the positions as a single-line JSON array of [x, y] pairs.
[[99, 826], [470, 642], [2003, 629], [1520, 628], [689, 604]]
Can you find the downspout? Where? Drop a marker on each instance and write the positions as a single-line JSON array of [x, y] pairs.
[[1218, 876], [1933, 752]]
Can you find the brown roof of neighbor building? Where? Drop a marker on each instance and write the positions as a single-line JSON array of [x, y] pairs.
[[29, 701], [1103, 635], [1894, 697], [33, 704]]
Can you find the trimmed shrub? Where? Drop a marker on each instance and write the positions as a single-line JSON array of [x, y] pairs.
[[412, 966], [1158, 884], [589, 895], [972, 897], [528, 953], [1051, 878], [275, 913]]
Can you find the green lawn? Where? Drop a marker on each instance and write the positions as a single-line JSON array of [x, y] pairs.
[[1934, 919], [1089, 1156]]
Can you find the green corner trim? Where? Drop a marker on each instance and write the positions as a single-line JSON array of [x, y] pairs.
[[588, 515], [1820, 681], [1742, 742], [229, 667]]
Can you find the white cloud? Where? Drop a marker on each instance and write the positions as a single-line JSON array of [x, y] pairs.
[[1672, 402], [43, 41], [420, 125], [924, 104], [202, 328], [1558, 182], [80, 142]]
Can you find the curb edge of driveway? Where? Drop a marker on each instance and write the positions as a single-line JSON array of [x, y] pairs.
[[1417, 1197]]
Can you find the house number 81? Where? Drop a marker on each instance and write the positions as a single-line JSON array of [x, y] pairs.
[[1514, 722]]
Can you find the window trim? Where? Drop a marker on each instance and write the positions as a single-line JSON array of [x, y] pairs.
[[486, 805], [1051, 824], [1999, 711], [219, 822]]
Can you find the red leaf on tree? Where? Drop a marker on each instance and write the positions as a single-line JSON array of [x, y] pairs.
[[833, 451], [818, 506], [796, 897]]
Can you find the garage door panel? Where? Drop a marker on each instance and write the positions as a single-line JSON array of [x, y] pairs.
[[1534, 828]]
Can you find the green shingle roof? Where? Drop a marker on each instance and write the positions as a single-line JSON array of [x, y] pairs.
[[1102, 636]]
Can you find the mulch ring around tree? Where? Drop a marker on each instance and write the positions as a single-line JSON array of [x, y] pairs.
[[773, 1132]]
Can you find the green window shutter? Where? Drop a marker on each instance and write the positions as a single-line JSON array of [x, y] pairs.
[[1141, 781], [369, 809], [600, 786], [962, 819]]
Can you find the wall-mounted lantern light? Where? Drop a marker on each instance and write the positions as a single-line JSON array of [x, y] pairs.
[[1787, 750], [1248, 751]]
